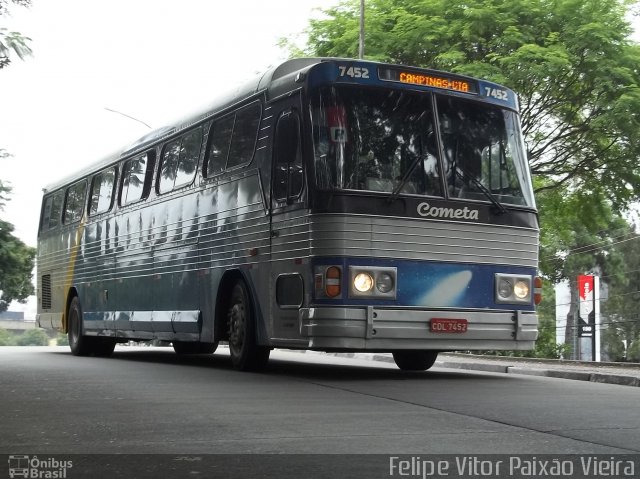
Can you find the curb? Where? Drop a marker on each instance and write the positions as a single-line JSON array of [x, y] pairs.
[[493, 365], [618, 379], [572, 375]]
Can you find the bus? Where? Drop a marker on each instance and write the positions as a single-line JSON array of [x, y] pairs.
[[330, 204]]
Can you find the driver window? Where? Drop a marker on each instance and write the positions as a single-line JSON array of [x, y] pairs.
[[287, 169]]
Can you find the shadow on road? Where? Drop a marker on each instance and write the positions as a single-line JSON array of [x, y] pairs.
[[308, 368]]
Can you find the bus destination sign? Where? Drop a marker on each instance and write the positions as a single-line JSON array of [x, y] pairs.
[[443, 82]]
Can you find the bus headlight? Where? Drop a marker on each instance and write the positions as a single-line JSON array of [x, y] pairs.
[[504, 288], [376, 282], [513, 289], [521, 290], [384, 282], [363, 282]]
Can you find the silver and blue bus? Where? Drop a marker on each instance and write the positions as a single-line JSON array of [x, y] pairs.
[[329, 205]]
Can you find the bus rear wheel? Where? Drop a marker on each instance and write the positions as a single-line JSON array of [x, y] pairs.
[[415, 360], [246, 354]]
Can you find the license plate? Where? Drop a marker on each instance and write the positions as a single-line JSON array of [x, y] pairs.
[[446, 325]]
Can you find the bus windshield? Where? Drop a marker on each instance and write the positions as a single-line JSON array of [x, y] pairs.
[[387, 141]]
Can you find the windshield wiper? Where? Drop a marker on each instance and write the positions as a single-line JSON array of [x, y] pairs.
[[403, 181], [462, 173]]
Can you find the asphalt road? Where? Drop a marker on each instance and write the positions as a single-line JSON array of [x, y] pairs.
[[150, 401]]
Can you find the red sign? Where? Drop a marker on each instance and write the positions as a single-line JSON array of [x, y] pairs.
[[587, 306]]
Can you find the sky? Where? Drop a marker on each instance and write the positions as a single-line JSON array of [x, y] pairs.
[[154, 60]]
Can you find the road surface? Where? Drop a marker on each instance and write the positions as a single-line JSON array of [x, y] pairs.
[[151, 401]]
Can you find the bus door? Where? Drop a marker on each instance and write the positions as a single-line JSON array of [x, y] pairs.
[[289, 238]]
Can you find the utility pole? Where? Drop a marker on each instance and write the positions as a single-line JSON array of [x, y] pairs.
[[361, 49]]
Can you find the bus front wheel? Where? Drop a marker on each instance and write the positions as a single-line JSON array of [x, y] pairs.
[[246, 354], [80, 344], [414, 360], [183, 347]]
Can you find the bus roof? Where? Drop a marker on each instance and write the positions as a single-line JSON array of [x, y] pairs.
[[274, 82], [260, 83]]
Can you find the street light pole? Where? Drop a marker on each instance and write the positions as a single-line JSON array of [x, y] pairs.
[[361, 46], [128, 116]]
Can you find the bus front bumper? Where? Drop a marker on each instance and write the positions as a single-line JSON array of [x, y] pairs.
[[380, 329]]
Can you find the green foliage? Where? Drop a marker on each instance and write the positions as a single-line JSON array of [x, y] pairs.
[[16, 265], [5, 190], [12, 42], [62, 339], [579, 233], [570, 61], [6, 338], [633, 351], [16, 258], [621, 312], [33, 337], [576, 73], [546, 346]]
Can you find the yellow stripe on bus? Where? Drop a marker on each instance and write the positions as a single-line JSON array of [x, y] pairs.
[[71, 269]]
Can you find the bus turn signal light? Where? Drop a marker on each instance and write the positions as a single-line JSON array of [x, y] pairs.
[[332, 286], [537, 290]]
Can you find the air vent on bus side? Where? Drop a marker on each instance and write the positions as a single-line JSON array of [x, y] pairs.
[[46, 291]]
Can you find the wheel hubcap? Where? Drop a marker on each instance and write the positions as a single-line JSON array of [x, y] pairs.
[[236, 326], [75, 329]]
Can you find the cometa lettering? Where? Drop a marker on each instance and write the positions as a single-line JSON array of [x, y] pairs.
[[428, 211]]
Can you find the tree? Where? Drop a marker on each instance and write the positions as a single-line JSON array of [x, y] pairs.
[[4, 190], [16, 258], [570, 61], [12, 41], [16, 265], [620, 312], [580, 233], [577, 76], [16, 261]]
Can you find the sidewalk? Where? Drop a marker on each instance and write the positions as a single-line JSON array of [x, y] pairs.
[[624, 374]]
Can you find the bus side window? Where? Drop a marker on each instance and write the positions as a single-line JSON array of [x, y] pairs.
[[52, 211], [102, 188], [189, 155], [218, 149], [179, 161], [245, 133], [74, 202], [288, 174], [134, 179], [168, 166]]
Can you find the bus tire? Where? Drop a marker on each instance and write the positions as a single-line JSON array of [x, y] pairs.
[[185, 347], [79, 343], [207, 348], [103, 347], [414, 360], [246, 354]]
